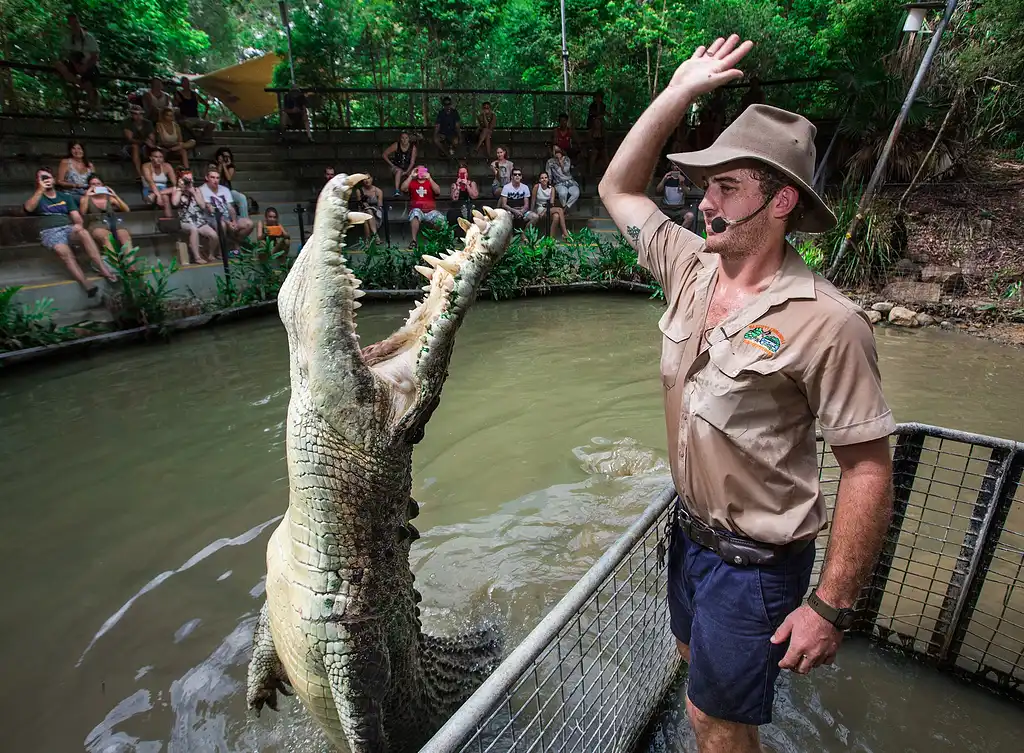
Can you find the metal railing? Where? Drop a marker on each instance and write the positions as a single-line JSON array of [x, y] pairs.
[[335, 108], [948, 589], [31, 90]]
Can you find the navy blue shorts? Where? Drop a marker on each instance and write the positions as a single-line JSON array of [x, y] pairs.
[[727, 614]]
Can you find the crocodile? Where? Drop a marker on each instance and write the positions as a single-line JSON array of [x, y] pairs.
[[341, 625]]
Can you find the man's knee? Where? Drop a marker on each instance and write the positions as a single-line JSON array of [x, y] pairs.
[[719, 736], [684, 650]]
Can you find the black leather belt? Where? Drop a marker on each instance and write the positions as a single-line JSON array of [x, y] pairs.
[[732, 548]]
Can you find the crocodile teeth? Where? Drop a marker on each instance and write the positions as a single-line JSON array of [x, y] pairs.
[[431, 260], [358, 293], [356, 304], [490, 212], [482, 224], [425, 271], [358, 218], [450, 267], [355, 179], [425, 288], [464, 223], [478, 214]]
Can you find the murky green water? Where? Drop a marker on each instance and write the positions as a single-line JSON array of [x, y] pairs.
[[139, 489]]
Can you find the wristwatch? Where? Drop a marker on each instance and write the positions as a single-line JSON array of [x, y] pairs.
[[841, 618]]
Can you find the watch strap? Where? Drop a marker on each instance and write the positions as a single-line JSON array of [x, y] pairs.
[[840, 618]]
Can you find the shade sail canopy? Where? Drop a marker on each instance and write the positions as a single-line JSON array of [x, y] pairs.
[[240, 87]]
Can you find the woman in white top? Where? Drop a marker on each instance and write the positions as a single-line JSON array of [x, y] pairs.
[[544, 203], [158, 181], [502, 169]]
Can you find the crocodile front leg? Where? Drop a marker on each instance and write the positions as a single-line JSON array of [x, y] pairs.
[[359, 672], [266, 674]]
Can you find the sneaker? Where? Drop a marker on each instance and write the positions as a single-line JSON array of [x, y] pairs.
[[397, 193]]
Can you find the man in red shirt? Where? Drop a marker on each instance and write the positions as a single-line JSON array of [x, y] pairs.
[[422, 206]]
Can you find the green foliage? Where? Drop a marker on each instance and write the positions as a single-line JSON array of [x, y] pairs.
[[24, 326], [389, 268], [872, 253], [254, 276], [813, 256], [143, 291]]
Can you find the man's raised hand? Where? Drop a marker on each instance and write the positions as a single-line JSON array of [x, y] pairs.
[[711, 67]]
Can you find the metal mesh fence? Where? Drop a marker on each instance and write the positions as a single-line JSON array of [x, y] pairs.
[[948, 587]]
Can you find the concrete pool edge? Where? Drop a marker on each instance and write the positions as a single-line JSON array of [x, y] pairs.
[[85, 346]]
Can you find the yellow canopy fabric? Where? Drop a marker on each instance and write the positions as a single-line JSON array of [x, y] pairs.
[[240, 87]]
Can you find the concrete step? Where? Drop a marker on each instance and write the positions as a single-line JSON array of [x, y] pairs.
[[73, 305]]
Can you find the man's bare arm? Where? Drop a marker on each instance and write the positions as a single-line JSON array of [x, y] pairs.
[[623, 187], [861, 519]]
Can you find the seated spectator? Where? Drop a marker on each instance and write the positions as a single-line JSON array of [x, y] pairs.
[[74, 170], [158, 181], [295, 114], [220, 203], [672, 187], [596, 108], [80, 58], [401, 158], [423, 192], [447, 128], [596, 148], [371, 202], [515, 197], [138, 137], [270, 227], [224, 161], [187, 101], [97, 202], [192, 210], [329, 174], [566, 138], [169, 138], [486, 121], [545, 205], [155, 99], [464, 190], [62, 223], [502, 170], [559, 167]]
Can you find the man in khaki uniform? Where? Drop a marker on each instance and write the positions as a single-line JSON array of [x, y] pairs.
[[756, 350]]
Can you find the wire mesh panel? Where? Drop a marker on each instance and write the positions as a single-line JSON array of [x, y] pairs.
[[594, 683], [948, 587]]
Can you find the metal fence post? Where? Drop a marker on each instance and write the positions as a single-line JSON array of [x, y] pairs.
[[301, 210], [970, 552], [985, 536], [386, 223], [906, 458]]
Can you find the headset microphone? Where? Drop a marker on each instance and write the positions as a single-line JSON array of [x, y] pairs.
[[721, 224]]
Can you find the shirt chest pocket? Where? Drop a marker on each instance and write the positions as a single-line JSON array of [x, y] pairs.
[[675, 333], [741, 392]]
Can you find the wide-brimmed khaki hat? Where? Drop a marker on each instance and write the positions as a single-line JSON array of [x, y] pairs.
[[776, 137]]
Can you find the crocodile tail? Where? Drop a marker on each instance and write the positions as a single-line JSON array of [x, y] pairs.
[[454, 667]]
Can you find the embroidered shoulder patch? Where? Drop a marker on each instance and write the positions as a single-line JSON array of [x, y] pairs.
[[767, 339]]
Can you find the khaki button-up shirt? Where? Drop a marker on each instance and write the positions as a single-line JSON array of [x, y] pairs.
[[742, 398]]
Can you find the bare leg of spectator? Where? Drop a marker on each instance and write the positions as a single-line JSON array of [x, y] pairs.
[[163, 201], [93, 252], [414, 228], [137, 158], [68, 257], [91, 94], [558, 222], [213, 244], [439, 145]]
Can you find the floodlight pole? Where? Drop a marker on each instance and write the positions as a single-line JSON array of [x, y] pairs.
[[876, 176], [565, 59], [282, 6]]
